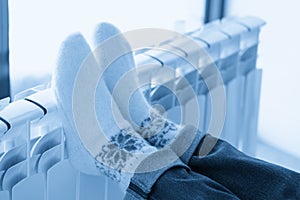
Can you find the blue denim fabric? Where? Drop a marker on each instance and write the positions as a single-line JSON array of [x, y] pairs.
[[225, 173], [246, 177], [182, 184], [141, 183]]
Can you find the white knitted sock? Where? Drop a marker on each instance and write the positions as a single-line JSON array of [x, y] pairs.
[[115, 158], [148, 121]]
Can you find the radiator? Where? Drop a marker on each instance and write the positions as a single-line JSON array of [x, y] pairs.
[[34, 161]]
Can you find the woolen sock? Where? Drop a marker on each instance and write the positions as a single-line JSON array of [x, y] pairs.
[[114, 158], [148, 121]]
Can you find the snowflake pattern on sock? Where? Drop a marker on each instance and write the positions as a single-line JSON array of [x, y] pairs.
[[157, 131], [118, 152]]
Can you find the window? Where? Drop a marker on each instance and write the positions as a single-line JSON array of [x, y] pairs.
[[4, 62], [38, 27]]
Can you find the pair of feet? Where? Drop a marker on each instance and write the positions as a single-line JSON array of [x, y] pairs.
[[113, 142]]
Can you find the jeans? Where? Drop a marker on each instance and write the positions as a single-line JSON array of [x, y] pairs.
[[225, 173]]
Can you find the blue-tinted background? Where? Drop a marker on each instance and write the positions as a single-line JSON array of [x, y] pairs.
[[38, 27]]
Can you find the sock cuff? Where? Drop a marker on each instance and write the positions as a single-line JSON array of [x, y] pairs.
[[186, 143], [141, 183]]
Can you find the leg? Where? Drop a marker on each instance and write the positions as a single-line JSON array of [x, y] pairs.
[[179, 183], [247, 177]]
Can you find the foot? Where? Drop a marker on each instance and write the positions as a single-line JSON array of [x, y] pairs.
[[147, 120], [110, 150]]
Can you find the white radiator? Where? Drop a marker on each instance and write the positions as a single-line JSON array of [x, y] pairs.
[[34, 161]]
